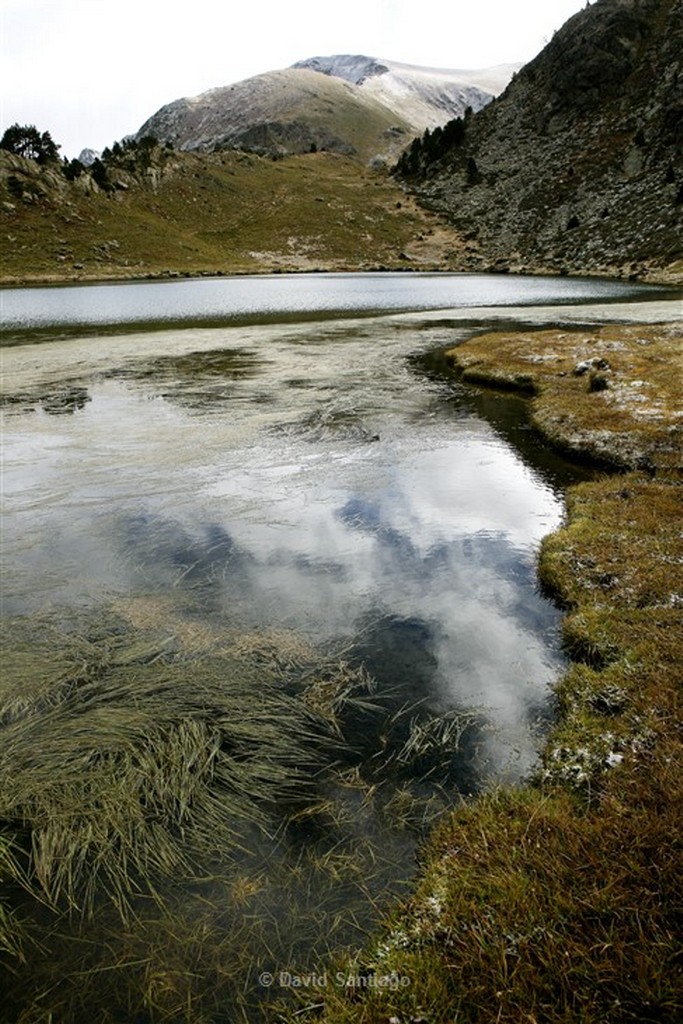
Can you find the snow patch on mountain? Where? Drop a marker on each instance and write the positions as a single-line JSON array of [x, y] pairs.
[[426, 97], [354, 68], [88, 156], [347, 103]]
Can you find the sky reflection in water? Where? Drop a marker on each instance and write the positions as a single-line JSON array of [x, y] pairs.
[[309, 480]]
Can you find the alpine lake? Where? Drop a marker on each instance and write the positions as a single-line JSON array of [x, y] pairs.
[[269, 609]]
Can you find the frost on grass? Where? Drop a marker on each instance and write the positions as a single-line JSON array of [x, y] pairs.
[[581, 766]]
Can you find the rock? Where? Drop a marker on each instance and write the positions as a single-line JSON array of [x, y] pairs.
[[587, 365], [598, 382]]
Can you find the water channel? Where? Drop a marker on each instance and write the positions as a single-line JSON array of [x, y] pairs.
[[291, 466]]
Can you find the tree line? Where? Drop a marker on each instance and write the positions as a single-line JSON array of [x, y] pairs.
[[430, 147], [130, 154]]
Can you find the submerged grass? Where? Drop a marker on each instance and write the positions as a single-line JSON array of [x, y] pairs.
[[179, 805], [121, 772]]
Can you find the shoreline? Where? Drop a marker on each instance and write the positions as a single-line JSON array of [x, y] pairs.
[[664, 277], [556, 900]]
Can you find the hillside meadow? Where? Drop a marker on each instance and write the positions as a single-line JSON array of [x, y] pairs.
[[222, 213]]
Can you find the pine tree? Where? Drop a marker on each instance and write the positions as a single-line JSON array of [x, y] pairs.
[[25, 140]]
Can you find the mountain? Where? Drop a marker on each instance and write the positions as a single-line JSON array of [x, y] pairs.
[[88, 156], [355, 105], [426, 97], [578, 165]]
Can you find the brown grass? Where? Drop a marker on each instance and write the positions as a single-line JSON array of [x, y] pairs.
[[634, 420], [219, 213]]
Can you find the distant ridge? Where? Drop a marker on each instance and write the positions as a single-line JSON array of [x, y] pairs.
[[352, 104]]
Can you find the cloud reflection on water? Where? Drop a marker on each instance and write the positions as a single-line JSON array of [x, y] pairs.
[[447, 534], [362, 496]]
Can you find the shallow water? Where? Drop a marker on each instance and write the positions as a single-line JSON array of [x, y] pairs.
[[323, 484], [307, 478], [320, 477]]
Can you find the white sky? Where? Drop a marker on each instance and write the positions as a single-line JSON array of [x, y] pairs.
[[92, 71]]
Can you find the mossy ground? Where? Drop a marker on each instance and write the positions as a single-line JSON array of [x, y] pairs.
[[559, 901], [216, 213], [623, 410]]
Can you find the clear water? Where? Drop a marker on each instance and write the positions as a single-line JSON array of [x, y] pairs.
[[342, 483], [324, 479]]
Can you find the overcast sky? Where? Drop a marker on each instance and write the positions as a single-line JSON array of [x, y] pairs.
[[92, 71]]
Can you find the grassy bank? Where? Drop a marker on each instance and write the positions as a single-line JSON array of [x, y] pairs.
[[558, 901], [221, 213], [189, 214]]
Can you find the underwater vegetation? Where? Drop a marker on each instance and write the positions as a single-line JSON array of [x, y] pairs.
[[180, 808]]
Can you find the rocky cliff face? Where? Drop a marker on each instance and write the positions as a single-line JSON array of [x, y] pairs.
[[578, 165], [354, 105]]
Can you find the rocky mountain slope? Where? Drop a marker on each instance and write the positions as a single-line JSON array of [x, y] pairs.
[[354, 105], [578, 165]]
